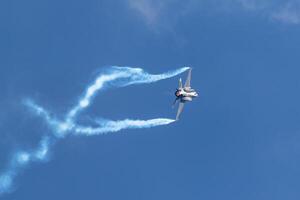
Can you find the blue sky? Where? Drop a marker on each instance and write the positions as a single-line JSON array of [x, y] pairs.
[[239, 140]]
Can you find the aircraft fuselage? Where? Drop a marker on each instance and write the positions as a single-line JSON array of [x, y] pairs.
[[186, 94]]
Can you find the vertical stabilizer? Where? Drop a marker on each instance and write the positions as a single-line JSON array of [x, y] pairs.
[[180, 83]]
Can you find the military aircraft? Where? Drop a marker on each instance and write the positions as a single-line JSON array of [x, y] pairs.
[[184, 94]]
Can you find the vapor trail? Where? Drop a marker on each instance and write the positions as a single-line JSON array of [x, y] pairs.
[[61, 128], [118, 77], [114, 77], [20, 160], [107, 126]]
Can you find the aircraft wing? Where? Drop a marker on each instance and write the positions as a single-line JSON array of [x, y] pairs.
[[180, 108], [188, 79]]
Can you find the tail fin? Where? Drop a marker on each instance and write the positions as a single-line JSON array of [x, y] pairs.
[[180, 83]]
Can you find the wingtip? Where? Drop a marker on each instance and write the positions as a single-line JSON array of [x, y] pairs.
[[185, 68]]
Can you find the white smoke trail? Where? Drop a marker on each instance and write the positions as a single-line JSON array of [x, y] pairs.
[[19, 161], [108, 126], [60, 128], [117, 77], [104, 126]]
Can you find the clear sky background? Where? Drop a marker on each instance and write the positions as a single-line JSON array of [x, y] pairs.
[[239, 140]]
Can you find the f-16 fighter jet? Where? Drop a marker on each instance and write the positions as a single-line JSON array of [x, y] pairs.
[[184, 94]]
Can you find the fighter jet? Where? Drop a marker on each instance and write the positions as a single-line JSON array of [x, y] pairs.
[[184, 94]]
